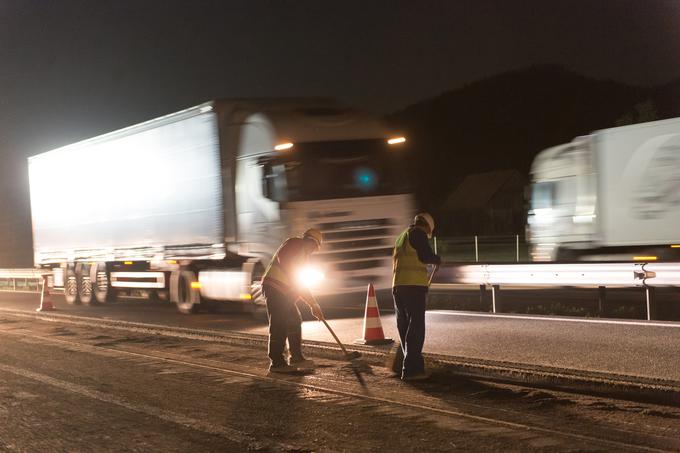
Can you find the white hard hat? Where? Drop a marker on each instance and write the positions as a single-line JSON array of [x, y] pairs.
[[425, 217]]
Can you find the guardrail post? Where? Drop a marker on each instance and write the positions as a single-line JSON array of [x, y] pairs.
[[649, 293], [482, 296], [476, 250], [602, 300], [14, 284], [495, 297]]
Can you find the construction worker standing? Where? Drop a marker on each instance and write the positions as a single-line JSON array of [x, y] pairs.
[[412, 254], [281, 291]]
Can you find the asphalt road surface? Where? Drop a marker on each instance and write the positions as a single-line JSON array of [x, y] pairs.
[[80, 387], [631, 348]]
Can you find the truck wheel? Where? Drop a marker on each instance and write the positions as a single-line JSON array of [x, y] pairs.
[[70, 286], [186, 298], [258, 305], [257, 295], [84, 283], [256, 270], [101, 284]]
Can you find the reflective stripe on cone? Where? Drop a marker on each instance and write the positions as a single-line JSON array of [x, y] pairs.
[[373, 331]]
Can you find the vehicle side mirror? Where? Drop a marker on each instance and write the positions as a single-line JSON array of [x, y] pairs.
[[269, 189], [267, 181]]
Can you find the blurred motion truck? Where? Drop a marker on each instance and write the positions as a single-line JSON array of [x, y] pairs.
[[191, 206], [611, 195]]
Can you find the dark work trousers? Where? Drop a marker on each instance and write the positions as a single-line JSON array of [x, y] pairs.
[[285, 322], [409, 303]]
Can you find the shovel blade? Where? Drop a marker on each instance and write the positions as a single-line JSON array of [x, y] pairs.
[[353, 355]]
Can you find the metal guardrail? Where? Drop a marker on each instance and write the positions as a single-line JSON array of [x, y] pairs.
[[21, 280], [577, 274], [22, 273], [599, 275]]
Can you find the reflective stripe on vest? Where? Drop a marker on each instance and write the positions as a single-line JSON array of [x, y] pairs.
[[408, 269]]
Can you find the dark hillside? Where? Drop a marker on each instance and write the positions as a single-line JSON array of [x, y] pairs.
[[504, 121]]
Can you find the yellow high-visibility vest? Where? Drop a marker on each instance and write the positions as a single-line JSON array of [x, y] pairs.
[[274, 271], [408, 269]]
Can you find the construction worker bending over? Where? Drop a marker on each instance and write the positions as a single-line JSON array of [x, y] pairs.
[[282, 291], [412, 254]]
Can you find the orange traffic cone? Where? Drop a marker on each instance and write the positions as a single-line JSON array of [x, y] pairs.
[[373, 331], [45, 297]]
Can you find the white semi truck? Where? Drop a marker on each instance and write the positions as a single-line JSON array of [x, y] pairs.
[[191, 206], [611, 195]]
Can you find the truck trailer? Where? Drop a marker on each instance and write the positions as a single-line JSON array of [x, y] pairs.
[[610, 195], [191, 206]]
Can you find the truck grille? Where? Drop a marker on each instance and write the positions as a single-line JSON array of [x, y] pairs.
[[356, 244], [353, 244], [356, 265], [354, 234]]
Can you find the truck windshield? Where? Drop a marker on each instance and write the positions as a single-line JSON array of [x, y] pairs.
[[343, 169], [542, 195]]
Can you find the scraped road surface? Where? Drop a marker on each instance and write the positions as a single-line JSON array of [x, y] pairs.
[[631, 348], [68, 385]]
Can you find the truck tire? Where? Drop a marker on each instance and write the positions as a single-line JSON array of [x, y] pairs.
[[257, 295], [256, 269], [101, 284], [258, 305], [84, 283], [186, 298], [70, 285]]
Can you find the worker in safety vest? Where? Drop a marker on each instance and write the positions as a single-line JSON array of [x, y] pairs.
[[282, 289], [412, 254]]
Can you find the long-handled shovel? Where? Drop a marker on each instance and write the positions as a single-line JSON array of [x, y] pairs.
[[434, 271], [348, 355]]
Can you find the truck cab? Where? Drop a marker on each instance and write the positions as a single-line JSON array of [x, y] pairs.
[[334, 169], [562, 211]]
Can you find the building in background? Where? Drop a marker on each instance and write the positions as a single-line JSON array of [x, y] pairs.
[[489, 203]]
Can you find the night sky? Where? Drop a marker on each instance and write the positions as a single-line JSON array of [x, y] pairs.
[[73, 69]]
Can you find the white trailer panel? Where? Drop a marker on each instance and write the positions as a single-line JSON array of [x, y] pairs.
[[639, 183], [140, 188]]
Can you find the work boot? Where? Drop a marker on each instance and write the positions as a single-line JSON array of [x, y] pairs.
[[302, 363], [395, 360], [417, 377], [283, 369]]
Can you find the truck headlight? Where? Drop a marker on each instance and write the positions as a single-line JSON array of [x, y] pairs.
[[310, 277]]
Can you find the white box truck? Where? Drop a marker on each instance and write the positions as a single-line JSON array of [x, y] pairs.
[[611, 195], [191, 206]]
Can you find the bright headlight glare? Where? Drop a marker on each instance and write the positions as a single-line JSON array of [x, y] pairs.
[[310, 277], [283, 146], [396, 140]]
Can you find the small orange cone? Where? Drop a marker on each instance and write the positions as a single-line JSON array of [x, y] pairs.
[[373, 331], [45, 297]]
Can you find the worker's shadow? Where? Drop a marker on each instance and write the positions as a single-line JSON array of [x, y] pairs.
[[270, 410]]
